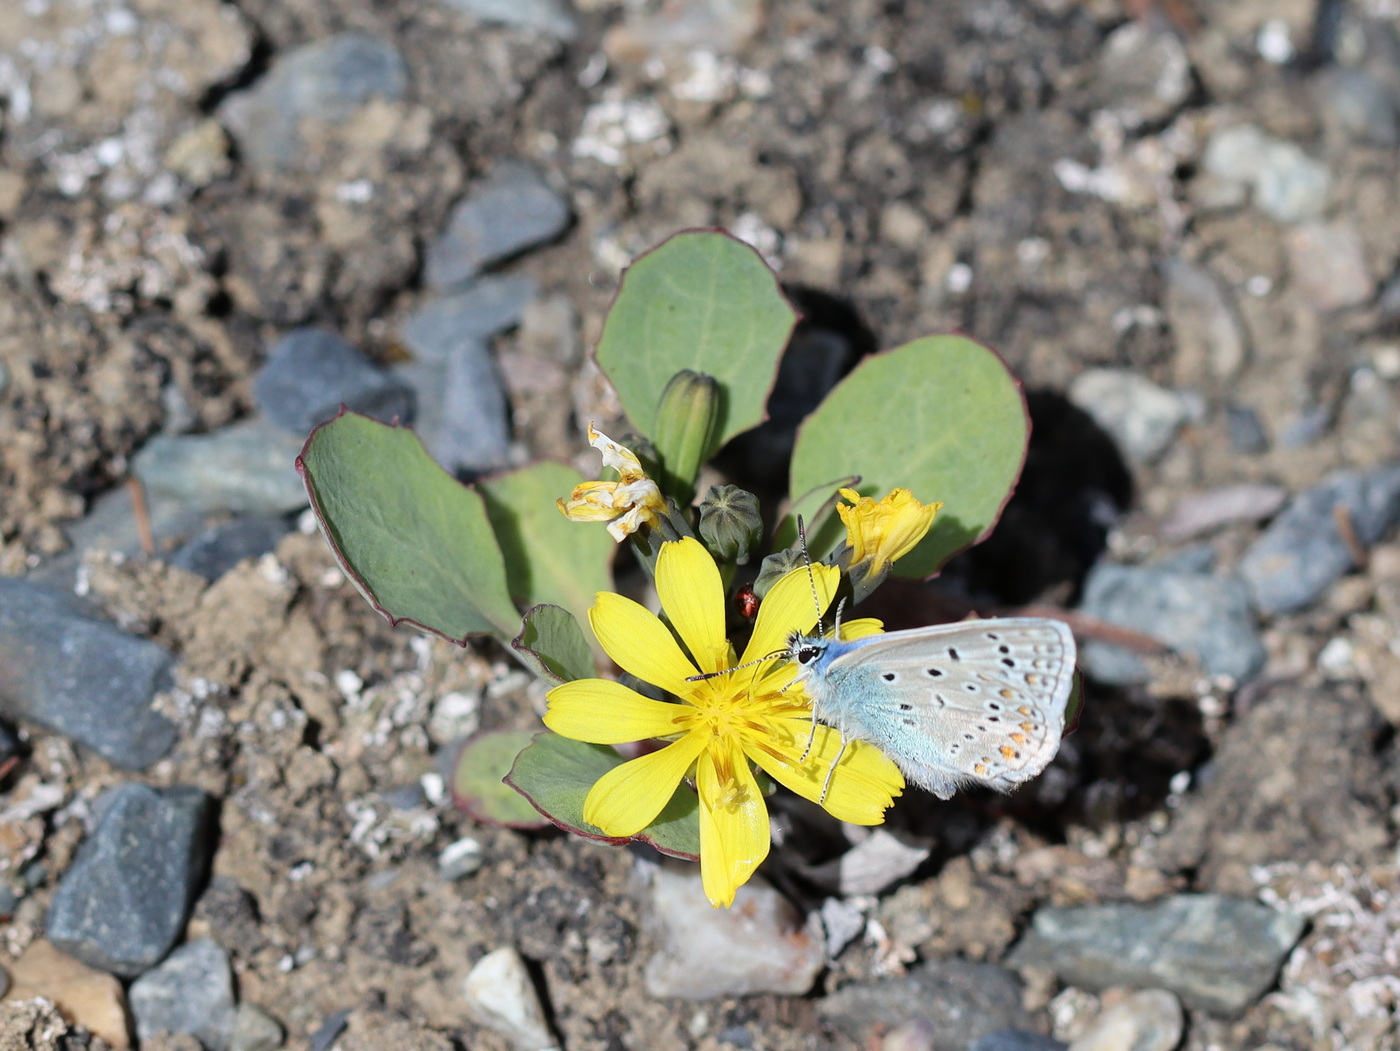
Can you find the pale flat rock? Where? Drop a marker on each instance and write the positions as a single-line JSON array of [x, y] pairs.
[[759, 945]]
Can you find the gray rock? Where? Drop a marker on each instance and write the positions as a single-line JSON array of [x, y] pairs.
[[1288, 185], [1210, 340], [124, 901], [255, 1030], [1149, 1020], [219, 548], [1206, 617], [1144, 74], [1219, 954], [1016, 1040], [1200, 513], [511, 210], [310, 373], [327, 80], [964, 1001], [1358, 104], [248, 468], [1141, 417], [550, 17], [462, 413], [1302, 552], [191, 991], [440, 328], [1244, 430], [499, 994], [64, 668]]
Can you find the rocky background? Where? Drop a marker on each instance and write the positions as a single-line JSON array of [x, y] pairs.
[[224, 821]]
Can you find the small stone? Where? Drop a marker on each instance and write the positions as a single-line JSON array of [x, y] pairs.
[[964, 1002], [328, 1032], [311, 373], [1016, 1040], [1288, 185], [1329, 265], [254, 1030], [439, 329], [200, 155], [1206, 617], [501, 997], [247, 468], [680, 27], [1210, 341], [870, 866], [511, 210], [549, 17], [1358, 105], [219, 548], [462, 415], [327, 80], [1302, 552], [460, 859], [126, 897], [1245, 431], [1201, 513], [843, 923], [191, 991], [87, 996], [1140, 416], [1144, 74], [64, 668], [1150, 1020], [4, 982], [915, 1035], [1219, 954], [759, 945]]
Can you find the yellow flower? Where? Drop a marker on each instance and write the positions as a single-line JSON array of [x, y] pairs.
[[722, 724], [886, 530], [626, 505]]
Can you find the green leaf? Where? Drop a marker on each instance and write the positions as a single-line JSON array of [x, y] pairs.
[[942, 417], [555, 773], [478, 787], [415, 541], [704, 301], [548, 558], [553, 646]]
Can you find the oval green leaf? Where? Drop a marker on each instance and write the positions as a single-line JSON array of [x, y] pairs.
[[552, 645], [415, 541], [705, 301], [478, 786], [941, 416], [548, 558], [555, 774]]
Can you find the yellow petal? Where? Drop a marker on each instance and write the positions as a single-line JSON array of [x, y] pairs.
[[627, 798], [734, 829], [883, 531], [604, 712], [640, 643], [692, 594], [863, 787], [788, 607], [861, 627]]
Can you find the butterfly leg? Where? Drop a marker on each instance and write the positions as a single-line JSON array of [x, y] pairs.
[[811, 737], [826, 785]]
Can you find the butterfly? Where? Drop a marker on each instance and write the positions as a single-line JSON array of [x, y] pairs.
[[980, 702]]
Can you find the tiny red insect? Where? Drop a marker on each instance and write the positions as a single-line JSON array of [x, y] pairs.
[[747, 602]]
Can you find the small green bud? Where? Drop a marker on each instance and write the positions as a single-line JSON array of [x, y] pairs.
[[730, 523], [776, 566], [687, 428]]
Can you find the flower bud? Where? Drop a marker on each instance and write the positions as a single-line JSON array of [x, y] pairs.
[[687, 428], [730, 523], [776, 566]]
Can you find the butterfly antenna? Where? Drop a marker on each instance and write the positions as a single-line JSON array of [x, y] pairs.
[[738, 667], [811, 576]]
